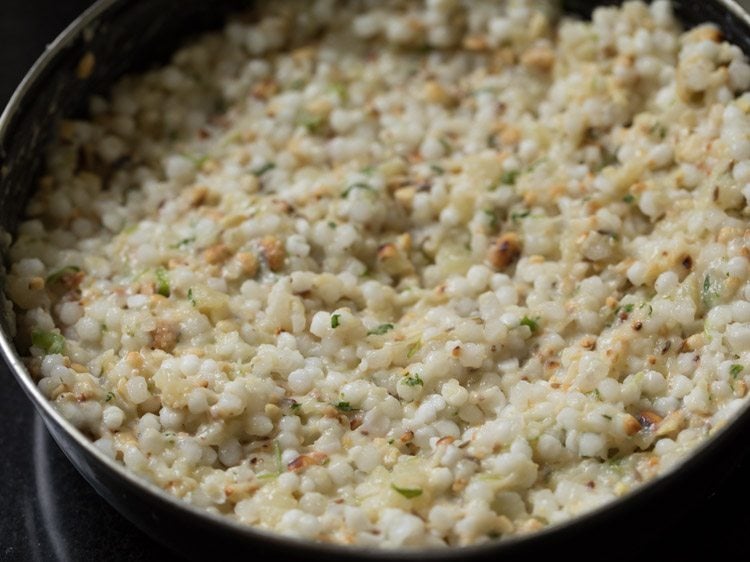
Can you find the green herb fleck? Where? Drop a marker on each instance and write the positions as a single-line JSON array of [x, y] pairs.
[[184, 242], [332, 224], [413, 380], [109, 397], [191, 297], [531, 323], [509, 177], [162, 282], [391, 441], [277, 456], [608, 159], [491, 217], [516, 217], [735, 370], [313, 123], [380, 330], [607, 417], [296, 406], [626, 308], [710, 292], [439, 170], [260, 170], [335, 320], [659, 130], [339, 88], [49, 342], [408, 493], [358, 185], [446, 145], [413, 348], [344, 407], [297, 84], [367, 170], [61, 273], [629, 198], [198, 161], [536, 164]]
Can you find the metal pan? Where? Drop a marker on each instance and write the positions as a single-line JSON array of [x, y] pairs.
[[125, 36]]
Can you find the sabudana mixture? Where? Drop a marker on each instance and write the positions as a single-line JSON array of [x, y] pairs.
[[401, 273]]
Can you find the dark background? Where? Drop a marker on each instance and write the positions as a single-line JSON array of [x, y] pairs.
[[47, 511]]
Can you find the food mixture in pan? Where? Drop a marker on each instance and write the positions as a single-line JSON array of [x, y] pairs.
[[401, 273]]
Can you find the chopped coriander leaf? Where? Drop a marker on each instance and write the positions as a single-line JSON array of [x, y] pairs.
[[162, 282], [313, 123], [49, 342], [710, 291], [437, 169], [516, 217], [260, 170], [626, 308], [277, 456], [735, 370], [335, 320], [413, 348], [62, 273], [296, 406], [413, 380], [332, 224], [509, 177], [191, 297], [358, 185], [408, 493], [491, 217], [629, 198], [380, 330], [110, 396], [198, 161], [339, 88], [608, 159], [536, 164], [184, 242], [659, 130], [531, 323], [344, 407]]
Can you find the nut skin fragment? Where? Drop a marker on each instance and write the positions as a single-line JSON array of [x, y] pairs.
[[217, 253], [198, 196], [504, 250], [86, 66], [315, 458], [274, 252], [539, 58], [248, 262], [165, 336], [650, 419], [631, 425]]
